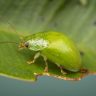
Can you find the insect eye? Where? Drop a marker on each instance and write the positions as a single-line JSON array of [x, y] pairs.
[[26, 44]]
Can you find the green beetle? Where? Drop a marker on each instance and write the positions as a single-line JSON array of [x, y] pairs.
[[55, 47]]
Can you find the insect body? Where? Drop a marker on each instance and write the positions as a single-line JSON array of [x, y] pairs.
[[55, 47]]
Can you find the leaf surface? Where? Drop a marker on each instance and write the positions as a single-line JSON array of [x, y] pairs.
[[26, 17]]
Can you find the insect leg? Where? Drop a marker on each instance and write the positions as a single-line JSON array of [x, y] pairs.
[[46, 64], [35, 57], [61, 68]]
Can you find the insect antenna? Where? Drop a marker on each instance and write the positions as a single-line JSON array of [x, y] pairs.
[[8, 42], [13, 28]]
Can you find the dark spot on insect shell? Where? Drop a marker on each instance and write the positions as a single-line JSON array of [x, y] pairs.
[[81, 53], [94, 22]]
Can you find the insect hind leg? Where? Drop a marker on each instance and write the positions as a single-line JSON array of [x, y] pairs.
[[61, 68], [46, 64]]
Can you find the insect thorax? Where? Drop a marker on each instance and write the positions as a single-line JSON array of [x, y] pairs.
[[37, 44]]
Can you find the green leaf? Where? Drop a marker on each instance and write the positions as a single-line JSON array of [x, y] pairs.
[[31, 16]]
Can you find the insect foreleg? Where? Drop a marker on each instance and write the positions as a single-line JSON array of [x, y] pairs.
[[35, 57]]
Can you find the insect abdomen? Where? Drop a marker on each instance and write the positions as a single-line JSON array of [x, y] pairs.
[[62, 51]]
